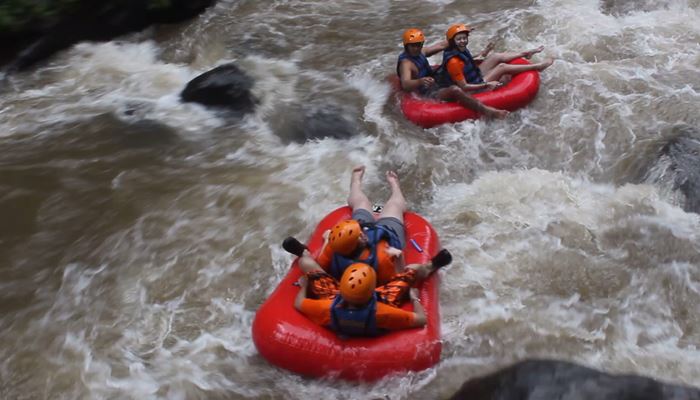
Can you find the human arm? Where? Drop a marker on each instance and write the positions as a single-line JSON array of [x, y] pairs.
[[301, 296], [435, 48], [419, 318], [318, 311], [455, 68], [485, 52], [470, 87], [324, 257], [326, 235], [396, 257], [409, 84]]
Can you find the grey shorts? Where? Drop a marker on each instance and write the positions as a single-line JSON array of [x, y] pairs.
[[429, 92], [361, 215]]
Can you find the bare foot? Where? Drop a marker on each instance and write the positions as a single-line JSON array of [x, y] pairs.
[[495, 112], [529, 53], [393, 180], [545, 64], [357, 173]]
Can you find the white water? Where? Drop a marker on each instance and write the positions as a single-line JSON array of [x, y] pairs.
[[138, 271]]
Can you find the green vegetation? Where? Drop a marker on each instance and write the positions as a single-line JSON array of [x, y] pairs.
[[21, 16]]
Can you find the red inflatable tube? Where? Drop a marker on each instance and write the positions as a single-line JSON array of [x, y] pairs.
[[427, 113], [288, 339]]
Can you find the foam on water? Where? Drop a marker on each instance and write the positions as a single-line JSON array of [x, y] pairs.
[[550, 260], [503, 228], [122, 78]]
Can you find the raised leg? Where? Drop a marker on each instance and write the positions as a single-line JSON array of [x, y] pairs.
[[396, 205], [357, 198], [510, 69], [495, 59]]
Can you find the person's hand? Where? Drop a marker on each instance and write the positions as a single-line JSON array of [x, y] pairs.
[[487, 50], [393, 252], [427, 82], [490, 85]]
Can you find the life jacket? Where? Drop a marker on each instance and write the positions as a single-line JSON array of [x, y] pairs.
[[420, 61], [356, 321], [374, 233], [471, 72]]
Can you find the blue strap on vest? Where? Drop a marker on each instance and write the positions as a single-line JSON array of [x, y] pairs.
[[421, 62], [375, 233], [472, 74], [354, 322]]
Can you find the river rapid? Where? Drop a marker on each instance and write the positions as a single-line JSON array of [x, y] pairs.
[[139, 234]]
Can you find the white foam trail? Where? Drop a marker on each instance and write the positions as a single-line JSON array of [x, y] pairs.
[[110, 77], [376, 92], [501, 229]]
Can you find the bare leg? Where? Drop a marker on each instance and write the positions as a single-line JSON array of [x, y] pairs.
[[495, 59], [453, 93], [308, 264], [396, 205], [422, 270], [439, 260], [357, 198], [529, 53], [510, 69]]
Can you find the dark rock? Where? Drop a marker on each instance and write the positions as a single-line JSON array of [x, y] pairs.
[[549, 380], [92, 20], [684, 153], [677, 167], [625, 7], [224, 86], [301, 124]]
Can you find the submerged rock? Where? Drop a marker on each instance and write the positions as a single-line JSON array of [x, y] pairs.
[[548, 380], [677, 167], [303, 123], [684, 153], [624, 7], [224, 86]]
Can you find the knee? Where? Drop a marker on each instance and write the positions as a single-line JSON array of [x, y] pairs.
[[454, 90], [501, 67]]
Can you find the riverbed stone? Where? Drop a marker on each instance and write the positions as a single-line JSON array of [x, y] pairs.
[[224, 86], [549, 379]]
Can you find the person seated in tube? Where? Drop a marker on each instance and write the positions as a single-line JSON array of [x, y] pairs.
[[461, 69], [378, 243], [355, 306], [416, 75]]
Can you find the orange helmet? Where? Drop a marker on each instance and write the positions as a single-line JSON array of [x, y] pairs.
[[343, 237], [413, 36], [357, 283], [455, 29]]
